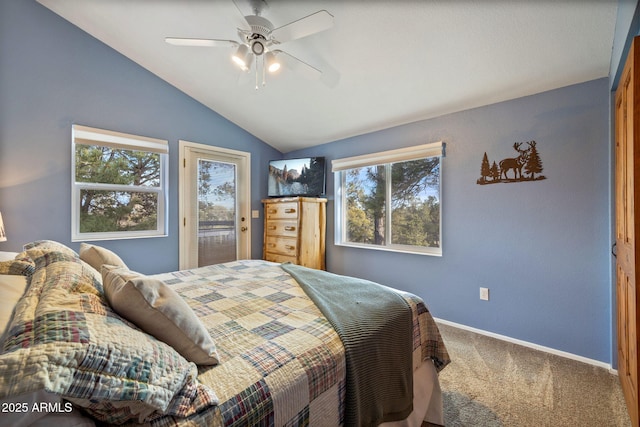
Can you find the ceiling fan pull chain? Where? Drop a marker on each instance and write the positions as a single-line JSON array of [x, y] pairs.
[[264, 76], [257, 75]]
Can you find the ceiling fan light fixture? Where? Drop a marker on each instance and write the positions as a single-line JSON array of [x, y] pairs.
[[257, 39], [258, 47], [242, 57], [273, 64]]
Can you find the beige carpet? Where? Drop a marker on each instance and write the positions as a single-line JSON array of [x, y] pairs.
[[491, 382]]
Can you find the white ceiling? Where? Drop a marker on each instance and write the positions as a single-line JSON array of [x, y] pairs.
[[398, 61]]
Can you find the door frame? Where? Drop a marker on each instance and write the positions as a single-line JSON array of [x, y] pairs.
[[243, 190]]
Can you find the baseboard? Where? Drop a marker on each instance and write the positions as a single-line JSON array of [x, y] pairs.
[[554, 351]]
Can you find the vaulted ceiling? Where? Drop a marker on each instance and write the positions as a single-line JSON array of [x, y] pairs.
[[384, 63]]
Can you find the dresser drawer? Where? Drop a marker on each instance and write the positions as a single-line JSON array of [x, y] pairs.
[[282, 228], [282, 210], [280, 258], [280, 245]]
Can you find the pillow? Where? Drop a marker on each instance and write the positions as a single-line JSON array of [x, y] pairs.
[[13, 269], [158, 310], [95, 256], [65, 339], [53, 258], [11, 289], [44, 247]]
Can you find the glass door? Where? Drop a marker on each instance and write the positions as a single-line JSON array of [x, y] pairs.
[[216, 215], [215, 201]]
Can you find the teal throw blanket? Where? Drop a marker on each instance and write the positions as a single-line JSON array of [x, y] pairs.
[[375, 325]]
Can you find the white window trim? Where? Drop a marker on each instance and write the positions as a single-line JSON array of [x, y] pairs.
[[434, 149], [93, 136]]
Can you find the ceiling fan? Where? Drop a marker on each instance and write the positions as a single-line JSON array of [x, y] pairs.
[[260, 38]]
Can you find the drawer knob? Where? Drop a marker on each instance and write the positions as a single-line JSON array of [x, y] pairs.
[[273, 227], [290, 228], [273, 211], [290, 247], [290, 210]]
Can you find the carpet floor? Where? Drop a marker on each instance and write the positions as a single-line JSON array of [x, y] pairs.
[[491, 382]]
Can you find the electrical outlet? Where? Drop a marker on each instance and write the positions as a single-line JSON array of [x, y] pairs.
[[255, 214], [484, 294]]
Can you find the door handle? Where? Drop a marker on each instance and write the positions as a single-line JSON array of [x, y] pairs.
[[243, 228]]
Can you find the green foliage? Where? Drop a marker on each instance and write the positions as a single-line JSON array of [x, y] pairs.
[[118, 211], [109, 210], [359, 222], [105, 165], [415, 218], [313, 177], [214, 212], [417, 224], [216, 188], [412, 178]]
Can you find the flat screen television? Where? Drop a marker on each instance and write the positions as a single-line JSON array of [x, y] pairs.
[[297, 177]]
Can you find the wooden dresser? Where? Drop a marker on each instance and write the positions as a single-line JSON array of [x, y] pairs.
[[295, 230]]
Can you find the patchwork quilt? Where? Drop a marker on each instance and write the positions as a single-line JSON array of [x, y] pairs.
[[64, 339], [281, 362]]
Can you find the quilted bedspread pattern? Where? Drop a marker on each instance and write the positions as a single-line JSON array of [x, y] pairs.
[[65, 339], [281, 361]]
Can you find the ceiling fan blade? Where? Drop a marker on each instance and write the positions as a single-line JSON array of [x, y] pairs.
[[329, 76], [177, 41], [298, 65], [303, 27]]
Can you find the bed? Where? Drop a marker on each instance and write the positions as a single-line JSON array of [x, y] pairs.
[[249, 342]]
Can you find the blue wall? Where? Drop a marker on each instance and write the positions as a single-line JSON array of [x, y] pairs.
[[541, 247], [53, 75]]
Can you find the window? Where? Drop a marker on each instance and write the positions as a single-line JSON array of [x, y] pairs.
[[119, 185], [390, 200]]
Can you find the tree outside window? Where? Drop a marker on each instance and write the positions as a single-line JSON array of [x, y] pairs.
[[394, 206], [119, 189]]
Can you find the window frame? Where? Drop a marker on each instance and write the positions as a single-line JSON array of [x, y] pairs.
[[85, 135], [339, 167]]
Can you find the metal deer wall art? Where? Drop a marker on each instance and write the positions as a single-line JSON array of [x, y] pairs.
[[526, 166]]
